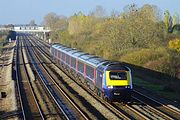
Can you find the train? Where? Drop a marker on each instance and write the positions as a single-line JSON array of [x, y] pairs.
[[108, 79]]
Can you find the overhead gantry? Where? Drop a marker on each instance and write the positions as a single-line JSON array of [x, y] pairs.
[[40, 31]]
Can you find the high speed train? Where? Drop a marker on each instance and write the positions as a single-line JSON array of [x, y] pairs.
[[110, 80]]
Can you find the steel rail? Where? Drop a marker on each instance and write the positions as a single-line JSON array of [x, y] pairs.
[[62, 91], [31, 88], [17, 78], [167, 107], [157, 110], [48, 87], [109, 106]]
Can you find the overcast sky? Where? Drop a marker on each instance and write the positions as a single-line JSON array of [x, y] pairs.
[[23, 11]]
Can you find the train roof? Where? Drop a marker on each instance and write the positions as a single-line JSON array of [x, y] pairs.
[[85, 57]]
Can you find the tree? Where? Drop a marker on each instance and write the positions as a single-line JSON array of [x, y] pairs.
[[99, 12], [114, 14], [130, 8], [73, 26], [140, 26], [80, 23], [55, 22], [151, 12], [178, 19], [62, 22], [167, 20], [175, 44], [50, 20], [175, 19], [32, 23]]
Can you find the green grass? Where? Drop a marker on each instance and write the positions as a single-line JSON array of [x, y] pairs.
[[147, 85], [156, 88], [169, 95]]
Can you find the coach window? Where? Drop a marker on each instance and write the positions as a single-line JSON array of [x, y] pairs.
[[73, 62], [52, 50], [56, 52], [99, 79], [80, 67], [67, 59], [59, 54], [90, 72], [63, 56]]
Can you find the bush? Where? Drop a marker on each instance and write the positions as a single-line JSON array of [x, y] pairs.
[[168, 64], [175, 44], [161, 65], [143, 56]]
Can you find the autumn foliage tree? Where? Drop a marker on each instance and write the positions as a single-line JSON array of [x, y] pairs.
[[135, 30], [175, 44]]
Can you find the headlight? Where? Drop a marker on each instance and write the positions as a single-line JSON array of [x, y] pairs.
[[127, 86], [110, 87]]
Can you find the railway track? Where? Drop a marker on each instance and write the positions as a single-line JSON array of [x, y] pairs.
[[60, 97], [163, 109], [144, 110], [112, 109], [119, 112], [29, 105], [50, 108], [149, 111]]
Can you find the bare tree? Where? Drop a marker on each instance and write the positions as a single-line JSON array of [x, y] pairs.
[[99, 12], [50, 19], [32, 23]]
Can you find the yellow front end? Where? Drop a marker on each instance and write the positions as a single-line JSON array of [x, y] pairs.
[[114, 82]]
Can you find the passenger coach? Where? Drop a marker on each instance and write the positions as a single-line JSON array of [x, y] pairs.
[[110, 80]]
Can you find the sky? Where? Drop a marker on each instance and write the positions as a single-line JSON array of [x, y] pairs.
[[23, 11]]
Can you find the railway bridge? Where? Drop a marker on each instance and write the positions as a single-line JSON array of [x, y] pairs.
[[40, 31]]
